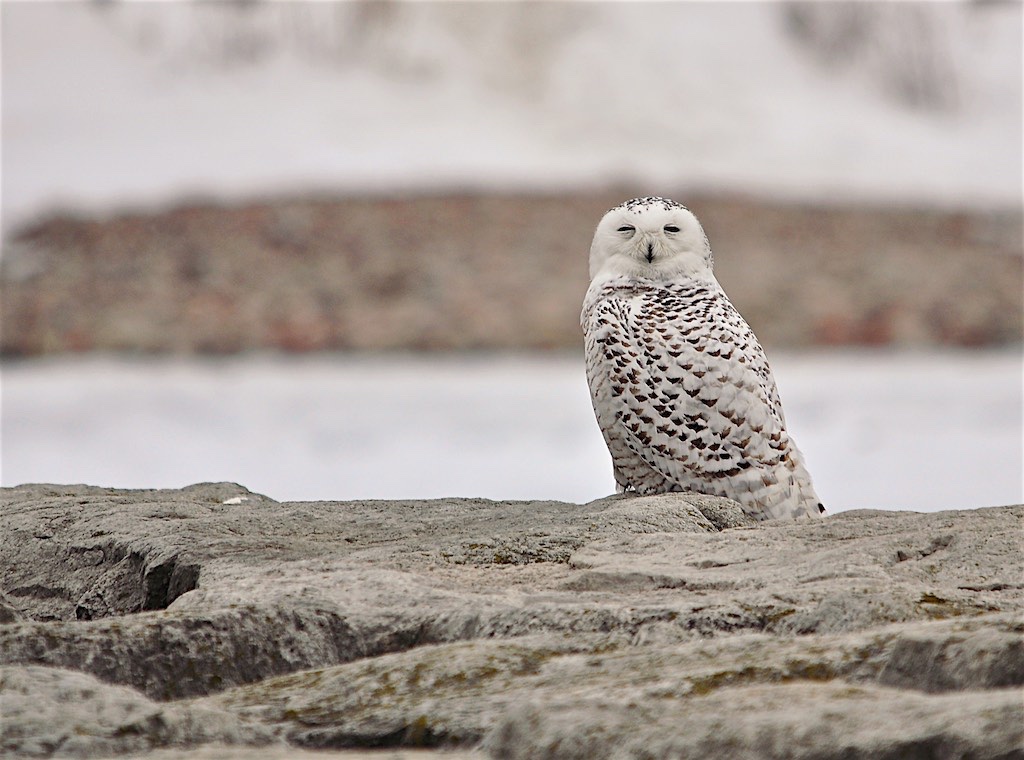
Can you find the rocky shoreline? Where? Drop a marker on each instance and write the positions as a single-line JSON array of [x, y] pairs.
[[215, 622], [465, 272]]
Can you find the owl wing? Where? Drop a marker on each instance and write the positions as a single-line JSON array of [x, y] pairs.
[[687, 387]]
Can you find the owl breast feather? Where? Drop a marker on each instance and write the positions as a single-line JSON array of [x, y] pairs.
[[685, 398]]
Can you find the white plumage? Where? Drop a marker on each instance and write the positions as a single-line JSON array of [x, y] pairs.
[[681, 387]]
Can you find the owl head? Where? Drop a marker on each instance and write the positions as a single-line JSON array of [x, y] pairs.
[[650, 238]]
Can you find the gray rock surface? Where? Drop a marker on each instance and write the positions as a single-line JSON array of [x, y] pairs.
[[48, 711], [211, 621], [758, 722]]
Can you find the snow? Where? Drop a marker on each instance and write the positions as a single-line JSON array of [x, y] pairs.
[[881, 430], [114, 105]]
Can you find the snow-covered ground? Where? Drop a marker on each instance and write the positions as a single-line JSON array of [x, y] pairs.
[[895, 431], [114, 104]]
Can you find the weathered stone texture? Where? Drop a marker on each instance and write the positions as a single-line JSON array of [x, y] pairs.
[[181, 623]]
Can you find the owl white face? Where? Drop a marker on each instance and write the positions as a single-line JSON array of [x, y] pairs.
[[650, 238]]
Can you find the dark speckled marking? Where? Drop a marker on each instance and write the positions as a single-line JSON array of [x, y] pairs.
[[685, 397], [650, 201]]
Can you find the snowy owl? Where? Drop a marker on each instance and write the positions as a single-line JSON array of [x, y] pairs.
[[681, 388]]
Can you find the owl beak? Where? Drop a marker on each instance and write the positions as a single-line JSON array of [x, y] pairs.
[[650, 252]]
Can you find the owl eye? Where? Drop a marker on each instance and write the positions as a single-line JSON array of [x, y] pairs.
[[671, 228], [627, 228]]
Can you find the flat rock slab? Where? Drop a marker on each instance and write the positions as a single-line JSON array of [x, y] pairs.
[[215, 622]]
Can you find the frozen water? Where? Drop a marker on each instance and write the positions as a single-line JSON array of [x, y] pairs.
[[893, 431]]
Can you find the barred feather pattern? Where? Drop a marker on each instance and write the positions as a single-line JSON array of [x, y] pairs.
[[685, 398]]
